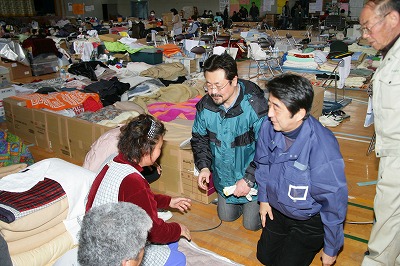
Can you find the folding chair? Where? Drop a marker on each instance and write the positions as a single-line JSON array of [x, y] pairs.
[[261, 53], [275, 34], [204, 50], [292, 42], [339, 70]]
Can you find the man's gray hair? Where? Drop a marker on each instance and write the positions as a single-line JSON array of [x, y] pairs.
[[111, 233], [385, 6]]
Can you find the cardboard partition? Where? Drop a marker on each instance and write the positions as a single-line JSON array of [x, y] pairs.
[[170, 180], [19, 120], [81, 135], [318, 102], [58, 134], [40, 127]]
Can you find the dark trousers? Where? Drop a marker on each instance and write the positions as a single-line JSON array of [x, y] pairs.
[[288, 242]]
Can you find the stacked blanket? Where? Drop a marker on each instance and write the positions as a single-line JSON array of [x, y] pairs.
[[298, 59], [40, 208]]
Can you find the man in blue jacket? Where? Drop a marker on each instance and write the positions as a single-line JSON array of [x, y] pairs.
[[224, 137], [301, 179]]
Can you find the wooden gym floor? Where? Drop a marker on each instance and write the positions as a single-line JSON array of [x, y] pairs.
[[234, 242]]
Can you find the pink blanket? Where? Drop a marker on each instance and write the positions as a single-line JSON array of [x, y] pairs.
[[166, 111]]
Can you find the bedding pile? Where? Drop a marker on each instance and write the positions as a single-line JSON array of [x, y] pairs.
[[40, 207]]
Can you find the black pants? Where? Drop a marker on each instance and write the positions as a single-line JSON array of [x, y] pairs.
[[288, 242]]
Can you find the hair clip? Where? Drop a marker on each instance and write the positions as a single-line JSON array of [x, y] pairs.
[[152, 129]]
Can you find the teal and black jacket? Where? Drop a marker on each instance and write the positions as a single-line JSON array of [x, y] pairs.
[[225, 142]]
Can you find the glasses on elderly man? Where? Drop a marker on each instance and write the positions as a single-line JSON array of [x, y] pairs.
[[368, 30], [208, 86]]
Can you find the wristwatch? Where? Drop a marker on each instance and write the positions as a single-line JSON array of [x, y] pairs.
[[249, 183]]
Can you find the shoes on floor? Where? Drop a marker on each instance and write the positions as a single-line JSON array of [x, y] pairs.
[[215, 201], [164, 214], [333, 118], [328, 121]]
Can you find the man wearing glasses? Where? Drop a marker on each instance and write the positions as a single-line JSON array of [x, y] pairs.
[[380, 21], [223, 141]]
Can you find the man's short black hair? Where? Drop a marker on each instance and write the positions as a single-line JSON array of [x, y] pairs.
[[295, 91]]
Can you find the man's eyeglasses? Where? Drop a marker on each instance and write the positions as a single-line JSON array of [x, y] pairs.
[[209, 86], [368, 30]]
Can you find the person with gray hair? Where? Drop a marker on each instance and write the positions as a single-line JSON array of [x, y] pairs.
[[380, 26], [113, 234]]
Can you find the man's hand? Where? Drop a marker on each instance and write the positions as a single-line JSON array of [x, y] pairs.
[[265, 209], [204, 178], [327, 260], [242, 189]]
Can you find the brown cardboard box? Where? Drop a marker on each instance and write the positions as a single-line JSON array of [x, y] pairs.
[[65, 136], [57, 134], [170, 180], [19, 119], [109, 37], [190, 187], [125, 57], [81, 135], [318, 102], [17, 70], [178, 174]]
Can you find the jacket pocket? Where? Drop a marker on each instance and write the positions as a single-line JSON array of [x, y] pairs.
[[294, 188], [390, 91]]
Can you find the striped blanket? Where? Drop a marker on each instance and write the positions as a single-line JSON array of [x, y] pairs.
[[14, 205]]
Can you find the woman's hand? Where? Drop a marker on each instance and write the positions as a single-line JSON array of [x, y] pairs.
[[185, 232], [182, 204]]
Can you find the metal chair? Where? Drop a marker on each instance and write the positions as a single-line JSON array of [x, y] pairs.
[[275, 34], [292, 41], [206, 49], [261, 53]]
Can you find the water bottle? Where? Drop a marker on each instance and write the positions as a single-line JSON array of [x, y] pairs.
[[63, 73]]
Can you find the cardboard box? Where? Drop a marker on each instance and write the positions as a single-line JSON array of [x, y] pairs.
[[179, 175], [109, 37], [4, 77], [81, 135], [191, 64], [189, 177], [17, 70], [19, 120], [318, 102], [65, 136], [57, 134], [170, 179]]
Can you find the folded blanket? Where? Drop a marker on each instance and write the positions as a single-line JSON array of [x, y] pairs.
[[35, 222], [15, 236], [35, 241], [45, 254], [14, 205], [170, 111]]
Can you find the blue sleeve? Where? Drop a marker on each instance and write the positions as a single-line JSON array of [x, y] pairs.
[[329, 188], [262, 163]]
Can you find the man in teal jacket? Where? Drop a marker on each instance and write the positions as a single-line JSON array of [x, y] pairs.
[[224, 134]]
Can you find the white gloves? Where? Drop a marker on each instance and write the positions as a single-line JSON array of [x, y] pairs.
[[229, 191]]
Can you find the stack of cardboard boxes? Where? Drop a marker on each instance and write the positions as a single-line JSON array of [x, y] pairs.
[[167, 20]]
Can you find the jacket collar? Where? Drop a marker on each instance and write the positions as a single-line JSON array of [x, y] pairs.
[[232, 112], [299, 151]]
